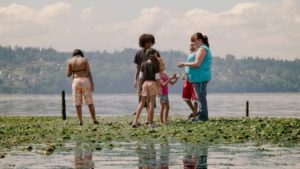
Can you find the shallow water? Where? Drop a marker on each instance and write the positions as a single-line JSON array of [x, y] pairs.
[[225, 105], [154, 155]]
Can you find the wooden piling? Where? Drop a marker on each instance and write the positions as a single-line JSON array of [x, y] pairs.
[[63, 101], [247, 108]]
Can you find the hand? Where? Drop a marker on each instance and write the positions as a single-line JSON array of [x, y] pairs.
[[180, 64], [184, 77], [135, 84], [174, 76]]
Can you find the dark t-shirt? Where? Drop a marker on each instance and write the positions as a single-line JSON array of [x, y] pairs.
[[141, 57], [149, 70]]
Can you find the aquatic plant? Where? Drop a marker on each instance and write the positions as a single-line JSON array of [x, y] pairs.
[[54, 133]]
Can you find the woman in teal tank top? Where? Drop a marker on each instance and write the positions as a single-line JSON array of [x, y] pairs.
[[198, 70]]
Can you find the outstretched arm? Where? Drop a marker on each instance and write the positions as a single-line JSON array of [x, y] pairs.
[[173, 82], [200, 54], [170, 80]]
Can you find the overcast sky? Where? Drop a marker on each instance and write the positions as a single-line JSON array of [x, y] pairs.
[[268, 28]]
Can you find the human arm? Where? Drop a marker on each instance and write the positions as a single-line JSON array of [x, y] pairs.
[[137, 72], [136, 61], [89, 75], [200, 54], [176, 78], [68, 69], [170, 80]]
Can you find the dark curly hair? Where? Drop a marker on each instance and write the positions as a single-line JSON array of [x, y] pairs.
[[145, 38]]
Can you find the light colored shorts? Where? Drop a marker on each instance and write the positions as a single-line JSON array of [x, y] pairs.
[[149, 88], [164, 98], [82, 87]]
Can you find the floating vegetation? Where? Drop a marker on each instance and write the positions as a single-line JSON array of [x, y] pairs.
[[2, 155], [54, 132]]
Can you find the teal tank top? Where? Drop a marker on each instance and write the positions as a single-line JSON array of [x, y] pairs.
[[201, 73]]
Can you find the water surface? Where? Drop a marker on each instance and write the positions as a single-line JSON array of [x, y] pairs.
[[157, 155], [220, 105]]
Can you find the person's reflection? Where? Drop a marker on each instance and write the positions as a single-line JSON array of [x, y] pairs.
[[147, 156], [196, 157], [83, 156], [164, 156]]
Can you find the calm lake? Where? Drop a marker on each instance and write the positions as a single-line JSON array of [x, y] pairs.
[[220, 105]]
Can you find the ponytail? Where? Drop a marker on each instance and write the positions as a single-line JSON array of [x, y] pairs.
[[205, 40]]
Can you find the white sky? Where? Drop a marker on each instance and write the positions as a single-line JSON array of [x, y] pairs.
[[243, 28]]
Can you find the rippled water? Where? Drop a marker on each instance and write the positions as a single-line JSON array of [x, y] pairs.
[[151, 155], [227, 104]]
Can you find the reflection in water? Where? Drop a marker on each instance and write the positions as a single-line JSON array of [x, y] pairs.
[[196, 157], [164, 155], [153, 155], [147, 156], [83, 153]]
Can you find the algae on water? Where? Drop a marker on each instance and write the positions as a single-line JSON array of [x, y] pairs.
[[54, 132]]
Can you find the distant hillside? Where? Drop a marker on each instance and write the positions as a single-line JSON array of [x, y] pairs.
[[34, 70]]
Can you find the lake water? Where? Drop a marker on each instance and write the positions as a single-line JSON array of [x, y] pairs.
[[220, 105], [153, 155]]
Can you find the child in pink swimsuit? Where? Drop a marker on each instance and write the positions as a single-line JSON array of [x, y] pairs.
[[164, 98]]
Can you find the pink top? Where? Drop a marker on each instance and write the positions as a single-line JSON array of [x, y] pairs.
[[164, 89]]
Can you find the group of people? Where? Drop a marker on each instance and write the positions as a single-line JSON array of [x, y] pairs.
[[151, 80]]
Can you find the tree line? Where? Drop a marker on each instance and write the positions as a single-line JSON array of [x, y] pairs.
[[42, 71]]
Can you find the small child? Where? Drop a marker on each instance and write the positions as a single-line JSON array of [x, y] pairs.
[[164, 98], [188, 93]]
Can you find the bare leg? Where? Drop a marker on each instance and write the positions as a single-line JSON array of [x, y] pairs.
[[167, 112], [79, 113], [190, 104], [151, 109], [139, 110], [147, 108], [92, 111], [161, 114]]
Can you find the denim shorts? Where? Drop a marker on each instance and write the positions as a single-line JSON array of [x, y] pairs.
[[164, 98]]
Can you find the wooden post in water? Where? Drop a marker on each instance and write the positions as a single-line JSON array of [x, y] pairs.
[[63, 101], [247, 108]]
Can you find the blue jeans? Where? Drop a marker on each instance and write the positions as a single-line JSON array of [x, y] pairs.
[[201, 92]]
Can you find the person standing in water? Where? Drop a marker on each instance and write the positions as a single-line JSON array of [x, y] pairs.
[[82, 85], [198, 68], [149, 75], [146, 41], [164, 98], [188, 94]]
